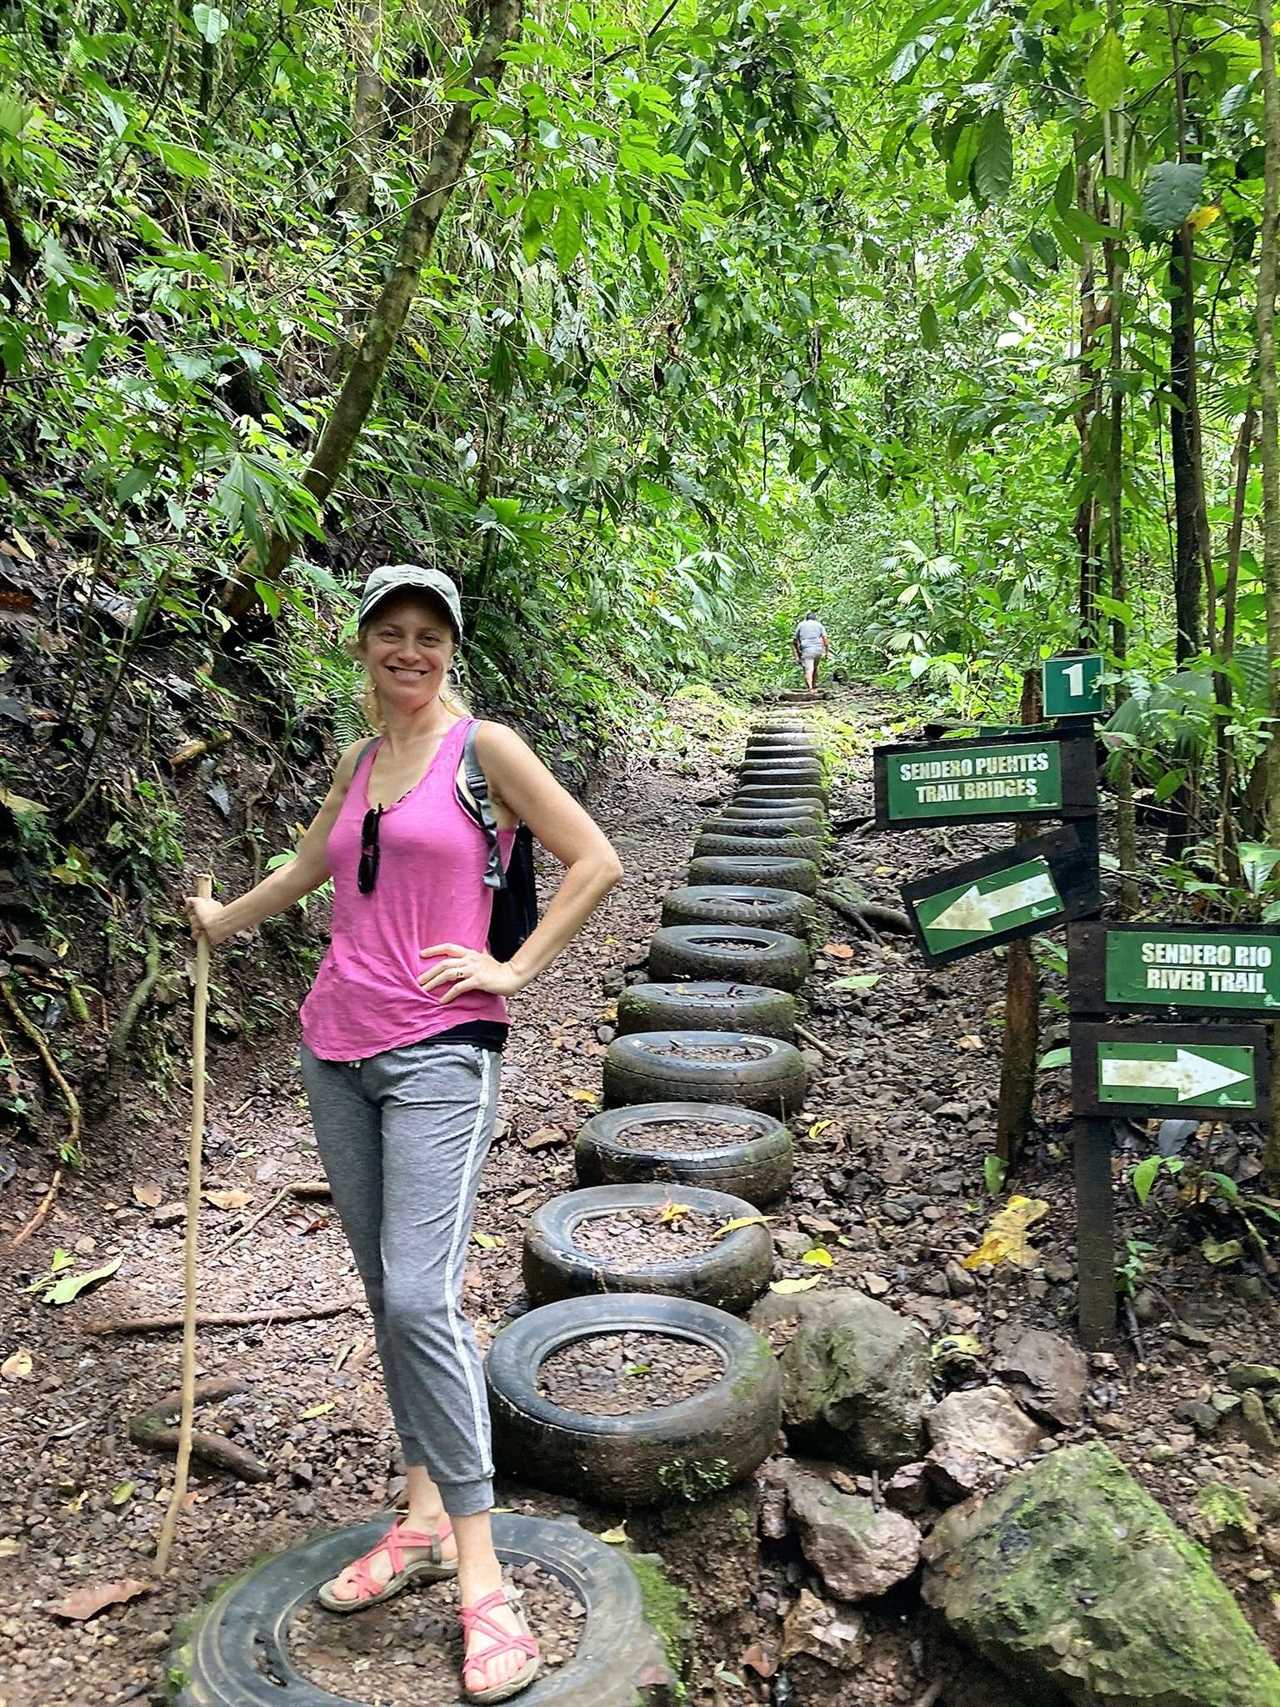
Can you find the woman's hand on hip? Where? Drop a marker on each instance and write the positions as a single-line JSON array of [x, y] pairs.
[[462, 969], [203, 916]]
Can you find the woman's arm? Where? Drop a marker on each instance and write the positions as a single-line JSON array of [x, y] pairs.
[[305, 872], [520, 781]]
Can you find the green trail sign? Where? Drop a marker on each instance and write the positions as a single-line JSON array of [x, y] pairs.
[[1030, 887], [1071, 686], [1118, 968], [1217, 1071], [1008, 777]]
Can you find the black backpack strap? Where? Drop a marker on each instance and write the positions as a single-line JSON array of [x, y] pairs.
[[480, 809]]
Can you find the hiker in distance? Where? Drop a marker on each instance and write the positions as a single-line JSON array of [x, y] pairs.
[[811, 647], [402, 1039]]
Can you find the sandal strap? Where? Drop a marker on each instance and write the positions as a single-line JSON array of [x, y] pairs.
[[393, 1544], [475, 1619]]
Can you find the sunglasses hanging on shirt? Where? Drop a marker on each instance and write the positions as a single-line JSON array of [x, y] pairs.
[[370, 852]]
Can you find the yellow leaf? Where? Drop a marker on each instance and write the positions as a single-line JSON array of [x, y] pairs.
[[818, 1128], [19, 805], [1203, 217], [615, 1536], [838, 950], [488, 1241], [227, 1199], [22, 545], [743, 1221], [1005, 1239], [787, 1287], [583, 1096], [18, 1366], [673, 1212], [316, 1411], [819, 1256]]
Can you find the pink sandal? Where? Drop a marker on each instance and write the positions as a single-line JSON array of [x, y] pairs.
[[502, 1641], [434, 1567]]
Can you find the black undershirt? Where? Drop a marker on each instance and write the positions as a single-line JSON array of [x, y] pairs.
[[487, 1033]]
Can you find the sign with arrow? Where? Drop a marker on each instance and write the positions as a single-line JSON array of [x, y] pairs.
[[1219, 1072], [1204, 968], [1031, 887], [1010, 778]]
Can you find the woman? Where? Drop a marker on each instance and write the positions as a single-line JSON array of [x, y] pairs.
[[402, 1037]]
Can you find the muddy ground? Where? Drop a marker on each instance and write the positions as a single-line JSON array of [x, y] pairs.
[[889, 1179]]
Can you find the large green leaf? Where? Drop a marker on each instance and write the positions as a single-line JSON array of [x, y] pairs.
[[993, 163], [1170, 191], [1107, 73]]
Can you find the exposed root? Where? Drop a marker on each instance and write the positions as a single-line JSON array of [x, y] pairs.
[[299, 1188], [37, 1220], [123, 1032], [154, 1427], [226, 1318]]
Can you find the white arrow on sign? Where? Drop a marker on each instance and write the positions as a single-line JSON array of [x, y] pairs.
[[974, 911], [1191, 1075]]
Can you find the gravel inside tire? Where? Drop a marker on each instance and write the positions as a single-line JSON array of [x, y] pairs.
[[724, 904], [787, 846], [757, 1166], [730, 1273], [235, 1652], [775, 959], [771, 872], [707, 1005], [705, 1066], [690, 1449], [785, 824]]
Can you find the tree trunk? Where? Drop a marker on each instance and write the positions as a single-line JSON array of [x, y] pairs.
[[1228, 861], [366, 111], [1182, 436], [1270, 449], [501, 23]]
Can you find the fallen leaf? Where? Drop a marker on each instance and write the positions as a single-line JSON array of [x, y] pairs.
[[855, 981], [18, 1366], [85, 1602], [819, 1256], [9, 1547], [818, 1128], [838, 950], [228, 1199], [121, 1492], [542, 1137], [743, 1221], [489, 1241], [19, 805], [970, 1041], [616, 1536], [761, 1662], [584, 1096], [1005, 1239], [522, 1197], [672, 1212], [72, 1285], [1226, 1251], [148, 1194], [320, 1410], [787, 1287]]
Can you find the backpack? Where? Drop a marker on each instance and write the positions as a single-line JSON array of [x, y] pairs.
[[515, 890]]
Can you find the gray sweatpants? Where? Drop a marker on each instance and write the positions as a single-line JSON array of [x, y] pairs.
[[403, 1136]]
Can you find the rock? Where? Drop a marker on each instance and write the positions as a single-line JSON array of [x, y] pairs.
[[857, 1550], [1264, 1376], [985, 1423], [1263, 1493], [825, 1632], [1203, 1418], [907, 1489], [953, 1474], [1046, 1374], [855, 1381], [1255, 1424], [1072, 1579], [959, 1279], [1225, 1517], [790, 1244]]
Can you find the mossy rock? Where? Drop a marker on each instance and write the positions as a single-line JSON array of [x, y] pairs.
[[1075, 1583], [666, 1611]]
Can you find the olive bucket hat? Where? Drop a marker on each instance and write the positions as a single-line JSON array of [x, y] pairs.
[[399, 577]]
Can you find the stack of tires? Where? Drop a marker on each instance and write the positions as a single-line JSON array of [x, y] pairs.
[[698, 1086]]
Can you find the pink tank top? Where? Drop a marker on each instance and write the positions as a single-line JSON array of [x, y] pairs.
[[430, 888]]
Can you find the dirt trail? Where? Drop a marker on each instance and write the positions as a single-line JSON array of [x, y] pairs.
[[889, 1180]]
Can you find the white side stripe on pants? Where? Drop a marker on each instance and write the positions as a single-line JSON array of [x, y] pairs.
[[457, 1252]]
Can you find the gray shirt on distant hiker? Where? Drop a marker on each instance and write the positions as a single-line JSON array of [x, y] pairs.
[[809, 637]]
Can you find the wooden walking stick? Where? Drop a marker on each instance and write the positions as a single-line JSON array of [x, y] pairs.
[[204, 891]]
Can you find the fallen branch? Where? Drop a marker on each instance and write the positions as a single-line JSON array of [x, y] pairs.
[[122, 1035], [227, 1318], [153, 1427], [299, 1188], [198, 748], [46, 1204], [815, 1042]]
